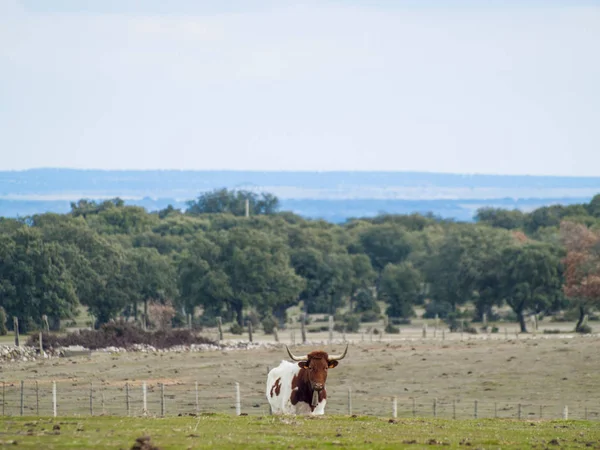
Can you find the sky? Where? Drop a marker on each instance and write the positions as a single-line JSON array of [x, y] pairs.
[[495, 87]]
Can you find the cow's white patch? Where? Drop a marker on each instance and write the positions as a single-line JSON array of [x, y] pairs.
[[281, 403]]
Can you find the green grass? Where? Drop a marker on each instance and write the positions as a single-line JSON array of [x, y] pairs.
[[249, 432]]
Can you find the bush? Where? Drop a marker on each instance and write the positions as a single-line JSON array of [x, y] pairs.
[[442, 309], [318, 329], [391, 329], [236, 328], [400, 321], [253, 318], [370, 316], [3, 329], [349, 323], [121, 334], [495, 329], [555, 331], [584, 329], [269, 324]]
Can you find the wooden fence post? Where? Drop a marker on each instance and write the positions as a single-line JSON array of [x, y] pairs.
[[238, 401], [349, 401], [91, 399], [162, 399], [414, 407], [22, 397], [519, 412], [46, 324], [475, 414], [41, 345], [395, 407], [144, 399], [220, 326], [127, 406], [330, 329], [566, 413], [275, 334], [435, 407], [54, 398], [250, 330], [303, 328], [16, 329]]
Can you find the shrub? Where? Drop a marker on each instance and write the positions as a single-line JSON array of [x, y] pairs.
[[365, 301], [400, 321], [555, 331], [391, 329], [318, 329], [236, 328], [370, 316], [349, 323], [495, 329], [3, 329], [584, 329], [253, 318], [120, 334], [269, 324], [161, 315]]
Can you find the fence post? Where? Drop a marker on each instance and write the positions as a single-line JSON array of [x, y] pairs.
[[41, 345], [46, 324], [541, 410], [220, 326], [189, 320], [395, 407], [303, 328], [162, 399], [566, 413], [330, 329], [454, 409], [250, 330], [414, 407], [238, 402], [22, 397], [275, 334], [16, 329], [424, 330], [475, 410], [435, 407], [144, 399], [443, 335], [519, 412], [349, 401], [127, 399], [54, 398], [91, 399], [37, 399], [197, 398], [102, 401]]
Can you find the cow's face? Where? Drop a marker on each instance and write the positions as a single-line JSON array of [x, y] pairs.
[[317, 365]]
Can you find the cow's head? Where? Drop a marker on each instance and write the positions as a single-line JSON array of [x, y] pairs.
[[317, 363]]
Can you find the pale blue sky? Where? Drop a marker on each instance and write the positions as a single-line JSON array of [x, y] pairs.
[[441, 86]]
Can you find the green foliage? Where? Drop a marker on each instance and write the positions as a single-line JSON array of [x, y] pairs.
[[365, 301], [370, 316], [3, 329], [584, 329], [236, 328], [233, 202], [392, 329], [440, 308], [269, 324], [400, 288], [349, 323]]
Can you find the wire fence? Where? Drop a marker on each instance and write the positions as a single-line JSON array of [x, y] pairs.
[[76, 398]]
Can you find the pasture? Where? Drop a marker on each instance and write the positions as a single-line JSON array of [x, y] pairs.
[[268, 432], [542, 374]]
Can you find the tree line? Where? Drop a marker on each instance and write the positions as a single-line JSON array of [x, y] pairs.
[[119, 261]]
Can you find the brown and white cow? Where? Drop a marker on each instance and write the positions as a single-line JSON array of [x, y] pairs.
[[300, 388]]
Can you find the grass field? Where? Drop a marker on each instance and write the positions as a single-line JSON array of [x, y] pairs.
[[267, 432]]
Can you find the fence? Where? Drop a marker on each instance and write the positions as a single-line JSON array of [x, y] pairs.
[[76, 398]]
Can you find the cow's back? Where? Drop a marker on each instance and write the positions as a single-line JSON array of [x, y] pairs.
[[279, 387]]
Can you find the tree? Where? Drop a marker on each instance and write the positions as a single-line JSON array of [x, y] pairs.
[[233, 202], [582, 267], [529, 279], [35, 280], [400, 288]]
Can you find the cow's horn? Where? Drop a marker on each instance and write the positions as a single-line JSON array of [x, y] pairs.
[[295, 358], [338, 357]]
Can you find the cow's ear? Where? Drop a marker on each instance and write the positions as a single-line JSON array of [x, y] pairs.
[[303, 364], [332, 364]]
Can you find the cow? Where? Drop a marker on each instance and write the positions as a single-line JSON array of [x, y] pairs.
[[300, 388]]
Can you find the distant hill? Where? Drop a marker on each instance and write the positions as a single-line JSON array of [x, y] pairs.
[[333, 196]]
